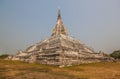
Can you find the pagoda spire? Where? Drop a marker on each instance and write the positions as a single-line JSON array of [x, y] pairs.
[[59, 15], [59, 27]]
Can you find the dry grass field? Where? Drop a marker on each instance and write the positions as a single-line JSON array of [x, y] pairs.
[[22, 70]]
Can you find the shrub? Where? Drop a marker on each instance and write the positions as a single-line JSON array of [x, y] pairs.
[[115, 54], [4, 56]]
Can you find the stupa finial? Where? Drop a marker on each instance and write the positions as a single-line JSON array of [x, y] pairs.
[[59, 27]]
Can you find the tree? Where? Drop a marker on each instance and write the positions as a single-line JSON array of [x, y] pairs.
[[115, 54], [4, 56]]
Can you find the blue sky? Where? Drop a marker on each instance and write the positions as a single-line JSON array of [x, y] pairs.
[[26, 22]]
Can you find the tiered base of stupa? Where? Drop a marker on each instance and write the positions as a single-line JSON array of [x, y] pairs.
[[60, 50]]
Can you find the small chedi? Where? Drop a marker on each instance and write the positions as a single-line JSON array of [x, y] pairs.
[[59, 49]]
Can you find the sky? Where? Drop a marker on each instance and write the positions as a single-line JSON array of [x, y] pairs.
[[95, 23]]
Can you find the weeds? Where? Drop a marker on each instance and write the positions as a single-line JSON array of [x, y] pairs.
[[21, 70]]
